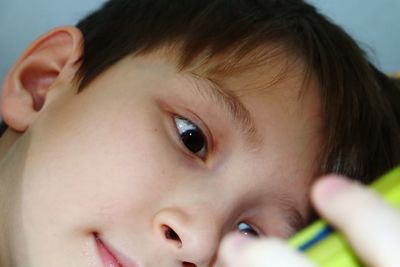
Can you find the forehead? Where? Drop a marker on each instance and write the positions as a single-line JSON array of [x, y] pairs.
[[272, 83], [270, 69]]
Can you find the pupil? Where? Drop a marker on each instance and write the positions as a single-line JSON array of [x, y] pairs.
[[246, 229], [193, 140]]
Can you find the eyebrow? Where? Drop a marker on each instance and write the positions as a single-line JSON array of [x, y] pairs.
[[295, 219], [226, 99]]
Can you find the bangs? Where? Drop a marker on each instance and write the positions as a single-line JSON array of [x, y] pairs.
[[217, 37]]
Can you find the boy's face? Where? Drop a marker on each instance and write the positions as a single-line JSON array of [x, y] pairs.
[[154, 164]]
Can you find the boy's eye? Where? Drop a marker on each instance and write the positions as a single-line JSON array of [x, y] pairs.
[[247, 229], [192, 137]]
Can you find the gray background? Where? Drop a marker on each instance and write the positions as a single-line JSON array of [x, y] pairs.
[[374, 23]]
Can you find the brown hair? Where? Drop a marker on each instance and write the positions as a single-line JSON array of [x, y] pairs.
[[360, 104]]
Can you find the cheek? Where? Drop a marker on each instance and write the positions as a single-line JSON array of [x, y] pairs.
[[96, 175]]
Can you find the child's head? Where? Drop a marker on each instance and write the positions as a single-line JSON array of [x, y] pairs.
[[159, 126]]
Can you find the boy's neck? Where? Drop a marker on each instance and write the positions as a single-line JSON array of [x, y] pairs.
[[6, 141]]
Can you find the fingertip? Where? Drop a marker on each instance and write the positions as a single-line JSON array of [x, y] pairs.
[[235, 241], [327, 188], [238, 250], [232, 247]]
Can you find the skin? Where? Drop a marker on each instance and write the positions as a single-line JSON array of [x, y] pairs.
[[110, 160], [371, 226]]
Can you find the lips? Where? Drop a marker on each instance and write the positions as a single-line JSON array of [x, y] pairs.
[[111, 257]]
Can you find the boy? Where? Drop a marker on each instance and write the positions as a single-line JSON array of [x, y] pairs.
[[146, 134]]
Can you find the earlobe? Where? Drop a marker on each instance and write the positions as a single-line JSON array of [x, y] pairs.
[[49, 61]]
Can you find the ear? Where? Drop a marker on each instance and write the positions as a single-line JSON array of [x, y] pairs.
[[50, 60]]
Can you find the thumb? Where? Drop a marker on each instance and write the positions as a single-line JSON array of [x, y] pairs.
[[371, 225]]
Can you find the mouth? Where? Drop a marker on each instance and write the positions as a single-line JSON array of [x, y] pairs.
[[110, 257]]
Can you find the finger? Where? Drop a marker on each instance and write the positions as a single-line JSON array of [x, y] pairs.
[[371, 226], [239, 251]]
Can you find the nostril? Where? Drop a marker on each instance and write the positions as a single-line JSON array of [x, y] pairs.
[[188, 264], [170, 234]]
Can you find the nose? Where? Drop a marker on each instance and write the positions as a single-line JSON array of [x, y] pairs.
[[191, 240]]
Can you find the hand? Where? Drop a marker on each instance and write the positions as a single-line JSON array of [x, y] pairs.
[[371, 226]]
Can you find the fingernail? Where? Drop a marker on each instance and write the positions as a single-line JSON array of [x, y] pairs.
[[329, 187]]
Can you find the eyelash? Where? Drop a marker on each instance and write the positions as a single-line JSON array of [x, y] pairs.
[[247, 229], [193, 131]]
